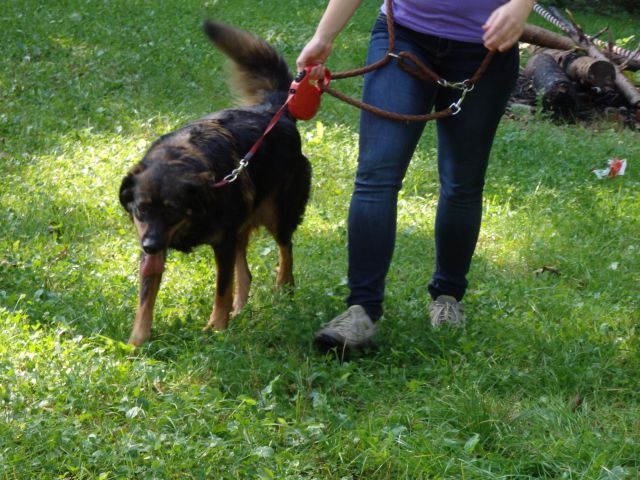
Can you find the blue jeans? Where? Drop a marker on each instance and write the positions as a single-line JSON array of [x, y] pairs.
[[386, 147]]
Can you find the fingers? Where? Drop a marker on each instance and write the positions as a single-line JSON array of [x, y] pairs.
[[317, 72], [314, 53], [501, 42], [302, 62], [504, 26], [500, 34], [489, 28]]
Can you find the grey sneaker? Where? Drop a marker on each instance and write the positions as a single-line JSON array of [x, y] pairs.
[[351, 329], [446, 310]]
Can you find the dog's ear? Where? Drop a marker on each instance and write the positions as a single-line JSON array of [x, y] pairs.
[[127, 185]]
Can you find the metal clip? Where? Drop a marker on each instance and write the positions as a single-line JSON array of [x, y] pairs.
[[233, 176], [463, 85], [456, 107]]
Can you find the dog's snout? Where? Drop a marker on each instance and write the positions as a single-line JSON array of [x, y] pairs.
[[151, 245]]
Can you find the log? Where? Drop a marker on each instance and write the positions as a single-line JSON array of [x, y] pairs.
[[546, 38], [579, 40], [590, 71], [631, 60], [618, 55], [550, 81], [625, 86], [584, 69], [560, 56]]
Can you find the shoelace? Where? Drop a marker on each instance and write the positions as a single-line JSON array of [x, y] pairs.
[[341, 323], [446, 311]]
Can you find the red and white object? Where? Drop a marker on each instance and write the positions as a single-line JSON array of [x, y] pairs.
[[616, 167]]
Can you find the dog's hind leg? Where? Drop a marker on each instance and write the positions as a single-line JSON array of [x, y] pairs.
[[282, 236], [223, 302], [149, 287], [243, 275], [284, 273], [290, 205]]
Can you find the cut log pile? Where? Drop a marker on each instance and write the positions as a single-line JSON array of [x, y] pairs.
[[577, 76]]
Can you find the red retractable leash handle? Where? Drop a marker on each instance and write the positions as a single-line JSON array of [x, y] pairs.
[[303, 103], [304, 93]]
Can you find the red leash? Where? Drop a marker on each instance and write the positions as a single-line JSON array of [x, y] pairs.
[[303, 103]]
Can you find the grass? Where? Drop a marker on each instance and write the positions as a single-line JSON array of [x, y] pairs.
[[86, 86]]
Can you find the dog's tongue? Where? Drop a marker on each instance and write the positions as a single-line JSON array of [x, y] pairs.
[[152, 264]]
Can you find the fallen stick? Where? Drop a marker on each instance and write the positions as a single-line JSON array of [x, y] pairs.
[[542, 37]]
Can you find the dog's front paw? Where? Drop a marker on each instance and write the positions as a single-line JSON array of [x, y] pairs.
[[284, 278], [138, 340], [216, 323]]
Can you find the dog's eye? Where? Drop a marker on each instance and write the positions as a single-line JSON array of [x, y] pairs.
[[142, 209]]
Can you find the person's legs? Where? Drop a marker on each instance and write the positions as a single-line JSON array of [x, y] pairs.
[[386, 147], [464, 144]]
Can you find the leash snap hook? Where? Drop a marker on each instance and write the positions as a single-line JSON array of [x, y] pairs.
[[456, 107], [464, 85], [233, 176]]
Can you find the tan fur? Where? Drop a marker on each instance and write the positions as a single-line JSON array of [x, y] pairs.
[[141, 330], [243, 48]]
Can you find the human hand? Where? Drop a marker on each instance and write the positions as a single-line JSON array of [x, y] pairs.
[[315, 52], [504, 26]]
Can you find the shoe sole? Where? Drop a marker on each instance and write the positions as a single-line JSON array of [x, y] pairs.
[[325, 343]]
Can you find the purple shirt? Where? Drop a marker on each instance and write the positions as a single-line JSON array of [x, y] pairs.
[[454, 19]]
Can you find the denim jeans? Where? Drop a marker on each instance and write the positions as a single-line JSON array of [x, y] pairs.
[[386, 147]]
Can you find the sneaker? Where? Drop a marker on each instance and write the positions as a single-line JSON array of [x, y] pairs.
[[351, 329], [446, 310]]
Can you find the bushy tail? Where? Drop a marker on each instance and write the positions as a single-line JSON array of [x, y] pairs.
[[257, 67]]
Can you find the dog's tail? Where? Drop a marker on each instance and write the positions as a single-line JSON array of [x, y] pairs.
[[257, 67]]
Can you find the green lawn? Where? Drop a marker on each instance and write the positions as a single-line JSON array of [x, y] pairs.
[[86, 86]]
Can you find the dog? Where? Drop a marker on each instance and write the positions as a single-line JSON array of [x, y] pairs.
[[174, 196]]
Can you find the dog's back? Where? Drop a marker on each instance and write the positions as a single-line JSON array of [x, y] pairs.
[[257, 70]]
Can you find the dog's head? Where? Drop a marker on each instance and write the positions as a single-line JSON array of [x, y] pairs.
[[163, 198]]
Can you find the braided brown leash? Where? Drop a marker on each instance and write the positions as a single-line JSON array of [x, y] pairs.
[[417, 69]]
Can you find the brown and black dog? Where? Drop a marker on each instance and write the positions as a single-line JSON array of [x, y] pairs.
[[170, 194]]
